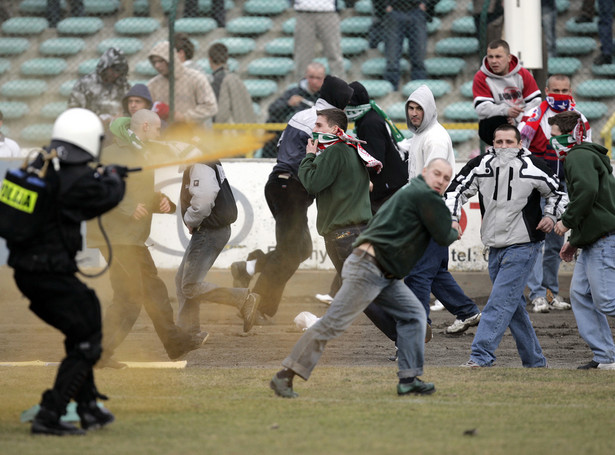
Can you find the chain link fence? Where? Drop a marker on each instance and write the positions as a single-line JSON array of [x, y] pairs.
[[46, 46]]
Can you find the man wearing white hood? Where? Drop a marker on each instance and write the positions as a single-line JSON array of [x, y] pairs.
[[430, 274]]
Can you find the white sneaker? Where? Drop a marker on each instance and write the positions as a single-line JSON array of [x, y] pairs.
[[470, 364], [606, 366], [324, 298], [460, 326], [557, 303], [540, 305], [437, 306]]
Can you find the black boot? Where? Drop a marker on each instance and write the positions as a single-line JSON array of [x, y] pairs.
[[47, 421], [92, 416]]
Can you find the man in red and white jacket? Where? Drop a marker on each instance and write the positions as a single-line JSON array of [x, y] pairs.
[[535, 134]]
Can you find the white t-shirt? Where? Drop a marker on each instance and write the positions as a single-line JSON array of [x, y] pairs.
[[9, 148]]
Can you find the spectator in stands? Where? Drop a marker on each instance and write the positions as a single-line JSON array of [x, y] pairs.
[[234, 100], [489, 21], [605, 32], [185, 51], [293, 100], [8, 147], [406, 19], [137, 98], [376, 30], [502, 90], [103, 90], [586, 12], [54, 11], [195, 100], [318, 20], [217, 11], [535, 134]]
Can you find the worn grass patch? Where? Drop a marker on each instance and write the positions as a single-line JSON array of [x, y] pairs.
[[353, 410]]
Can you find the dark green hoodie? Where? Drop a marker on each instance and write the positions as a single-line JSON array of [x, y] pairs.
[[591, 188]]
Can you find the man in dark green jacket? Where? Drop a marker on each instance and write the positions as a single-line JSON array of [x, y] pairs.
[[384, 253], [590, 216]]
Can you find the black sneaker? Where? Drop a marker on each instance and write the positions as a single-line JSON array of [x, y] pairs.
[[48, 422], [416, 387], [92, 416], [589, 366], [603, 60], [241, 277], [249, 311]]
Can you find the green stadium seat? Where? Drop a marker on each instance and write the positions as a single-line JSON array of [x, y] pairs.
[[288, 27], [377, 88], [596, 88], [457, 46], [43, 66], [80, 26], [128, 45], [24, 26], [376, 66], [39, 133], [265, 7], [13, 46], [353, 46], [23, 88], [52, 110], [604, 70], [136, 26], [260, 88], [232, 64], [458, 136], [562, 6], [62, 46], [271, 66], [464, 26], [5, 65], [67, 87], [195, 25], [145, 68], [575, 45], [439, 88], [13, 110], [249, 25], [564, 65], [584, 28], [280, 46], [98, 7], [444, 66], [36, 7], [434, 25], [355, 25], [397, 111], [237, 45], [141, 7], [466, 89], [593, 110], [444, 7], [461, 111], [363, 7], [89, 66], [204, 6], [323, 61]]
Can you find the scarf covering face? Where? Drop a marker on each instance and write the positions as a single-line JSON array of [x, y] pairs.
[[354, 113], [559, 102], [564, 142], [533, 123], [326, 140]]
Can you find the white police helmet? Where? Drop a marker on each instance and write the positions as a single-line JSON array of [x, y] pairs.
[[81, 128]]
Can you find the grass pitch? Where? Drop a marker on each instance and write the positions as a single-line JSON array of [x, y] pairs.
[[351, 410]]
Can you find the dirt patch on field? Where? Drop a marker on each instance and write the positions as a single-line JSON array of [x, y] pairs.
[[23, 337]]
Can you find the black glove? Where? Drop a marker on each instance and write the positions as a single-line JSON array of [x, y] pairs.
[[115, 169]]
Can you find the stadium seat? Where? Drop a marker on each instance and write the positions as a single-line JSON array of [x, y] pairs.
[[271, 66], [24, 26], [128, 45], [80, 26], [39, 133], [89, 66], [596, 88], [249, 25], [377, 88], [256, 108], [583, 28], [141, 7], [376, 66], [325, 63], [13, 110], [564, 65], [145, 68], [355, 25], [439, 88], [461, 111], [136, 26], [363, 7], [280, 46], [434, 25], [62, 46], [265, 7], [232, 64], [67, 87], [593, 110], [51, 66], [457, 46], [97, 7], [353, 46], [5, 65], [464, 26], [13, 46], [458, 136], [562, 6], [36, 7], [52, 110], [604, 70], [397, 111], [23, 88], [466, 89], [260, 88], [575, 45], [444, 7], [444, 66], [288, 27], [195, 25], [204, 6], [237, 45]]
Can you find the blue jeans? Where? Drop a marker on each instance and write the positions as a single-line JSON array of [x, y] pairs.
[[202, 251], [431, 275], [399, 25], [592, 297], [362, 283], [546, 269], [509, 269], [605, 26]]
